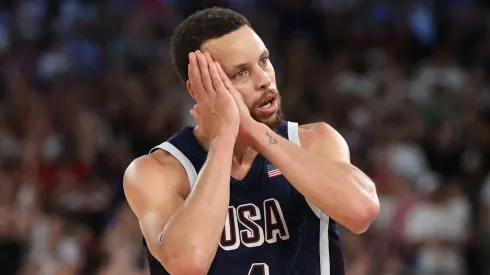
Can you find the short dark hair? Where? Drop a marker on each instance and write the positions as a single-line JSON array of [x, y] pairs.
[[198, 28]]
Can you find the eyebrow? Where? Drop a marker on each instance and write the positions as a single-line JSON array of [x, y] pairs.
[[243, 65]]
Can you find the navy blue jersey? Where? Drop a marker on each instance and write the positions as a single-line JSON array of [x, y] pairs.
[[271, 228]]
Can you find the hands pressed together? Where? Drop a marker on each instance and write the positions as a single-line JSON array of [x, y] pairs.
[[220, 109]]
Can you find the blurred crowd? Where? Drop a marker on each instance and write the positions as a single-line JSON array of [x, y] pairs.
[[87, 85]]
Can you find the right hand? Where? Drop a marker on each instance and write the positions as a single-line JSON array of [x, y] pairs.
[[216, 112]]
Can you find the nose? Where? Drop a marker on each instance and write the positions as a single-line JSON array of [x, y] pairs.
[[263, 80]]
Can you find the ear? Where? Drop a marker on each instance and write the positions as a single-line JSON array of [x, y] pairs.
[[189, 88]]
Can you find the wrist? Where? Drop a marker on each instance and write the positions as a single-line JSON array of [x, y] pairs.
[[257, 134], [225, 139]]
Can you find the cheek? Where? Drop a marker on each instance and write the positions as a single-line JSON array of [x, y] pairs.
[[249, 101], [271, 73], [273, 79], [247, 91]]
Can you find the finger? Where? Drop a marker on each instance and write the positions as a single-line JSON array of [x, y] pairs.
[[224, 77], [227, 82], [206, 78], [194, 111], [208, 57], [195, 77], [217, 81]]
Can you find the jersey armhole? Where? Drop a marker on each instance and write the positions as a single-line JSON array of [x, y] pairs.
[[293, 136], [184, 161]]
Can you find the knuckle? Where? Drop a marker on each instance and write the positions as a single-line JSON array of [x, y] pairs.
[[205, 78], [216, 78], [227, 82], [218, 84]]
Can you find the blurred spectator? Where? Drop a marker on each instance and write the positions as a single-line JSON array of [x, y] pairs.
[[87, 86]]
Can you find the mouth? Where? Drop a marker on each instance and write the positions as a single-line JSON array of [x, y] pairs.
[[268, 102], [268, 106]]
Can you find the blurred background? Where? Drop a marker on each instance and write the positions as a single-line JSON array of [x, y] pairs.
[[87, 85]]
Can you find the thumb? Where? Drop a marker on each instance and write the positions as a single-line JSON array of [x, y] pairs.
[[194, 112]]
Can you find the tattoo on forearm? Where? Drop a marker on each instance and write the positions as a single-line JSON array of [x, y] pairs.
[[271, 139]]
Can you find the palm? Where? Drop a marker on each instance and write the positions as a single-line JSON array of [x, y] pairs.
[[219, 104], [246, 120], [242, 108], [216, 113]]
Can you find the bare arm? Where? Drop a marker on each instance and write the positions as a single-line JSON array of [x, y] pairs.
[[182, 233], [322, 172]]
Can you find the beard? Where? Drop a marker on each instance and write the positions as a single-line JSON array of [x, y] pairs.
[[273, 121]]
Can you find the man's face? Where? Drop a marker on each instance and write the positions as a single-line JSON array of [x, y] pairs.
[[245, 59]]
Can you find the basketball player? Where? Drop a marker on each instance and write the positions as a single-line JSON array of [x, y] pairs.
[[244, 192]]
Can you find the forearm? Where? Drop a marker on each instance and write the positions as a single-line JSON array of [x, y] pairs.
[[195, 229], [339, 189]]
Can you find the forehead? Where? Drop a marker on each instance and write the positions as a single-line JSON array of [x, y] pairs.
[[239, 47]]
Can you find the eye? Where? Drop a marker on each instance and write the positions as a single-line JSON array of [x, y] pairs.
[[239, 74], [264, 61]]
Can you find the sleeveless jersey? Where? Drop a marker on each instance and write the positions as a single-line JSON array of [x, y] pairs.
[[271, 228]]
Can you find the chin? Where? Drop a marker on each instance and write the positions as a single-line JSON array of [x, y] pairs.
[[273, 121]]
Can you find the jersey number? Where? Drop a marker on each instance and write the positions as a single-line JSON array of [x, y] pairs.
[[259, 269]]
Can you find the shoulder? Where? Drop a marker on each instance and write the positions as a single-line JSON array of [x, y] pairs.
[[154, 170], [318, 133], [322, 138]]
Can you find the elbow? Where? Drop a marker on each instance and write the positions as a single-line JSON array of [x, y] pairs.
[[363, 218], [188, 269], [190, 264]]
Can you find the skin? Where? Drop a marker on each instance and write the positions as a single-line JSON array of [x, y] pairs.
[[233, 130]]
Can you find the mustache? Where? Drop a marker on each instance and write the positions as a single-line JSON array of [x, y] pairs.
[[258, 102]]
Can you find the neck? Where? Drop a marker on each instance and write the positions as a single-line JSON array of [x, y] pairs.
[[241, 153]]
